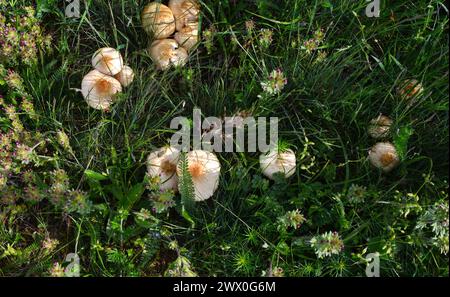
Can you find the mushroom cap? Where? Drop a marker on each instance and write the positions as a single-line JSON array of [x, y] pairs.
[[126, 76], [185, 12], [379, 127], [410, 89], [99, 89], [204, 168], [187, 37], [384, 156], [108, 61], [167, 52], [278, 162], [162, 163], [158, 19]]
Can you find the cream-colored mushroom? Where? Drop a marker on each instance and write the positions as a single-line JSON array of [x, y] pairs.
[[204, 168], [126, 76], [187, 37], [108, 61], [166, 53], [158, 20], [384, 156], [278, 162], [162, 164], [185, 12], [410, 89], [380, 127], [99, 89]]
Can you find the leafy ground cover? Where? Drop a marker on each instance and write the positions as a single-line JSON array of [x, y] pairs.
[[73, 179]]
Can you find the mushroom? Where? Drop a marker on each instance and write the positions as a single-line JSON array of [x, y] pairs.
[[99, 89], [126, 76], [162, 164], [166, 53], [187, 37], [410, 89], [204, 168], [384, 156], [185, 12], [380, 127], [108, 61], [278, 162], [158, 20]]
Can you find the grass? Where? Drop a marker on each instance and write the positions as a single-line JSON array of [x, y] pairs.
[[333, 91]]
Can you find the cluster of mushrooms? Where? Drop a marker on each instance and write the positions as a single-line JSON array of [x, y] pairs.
[[204, 168], [100, 86], [175, 28], [384, 155]]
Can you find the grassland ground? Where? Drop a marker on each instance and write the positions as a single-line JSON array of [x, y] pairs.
[[73, 179]]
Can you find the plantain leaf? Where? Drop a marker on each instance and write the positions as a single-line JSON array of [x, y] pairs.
[[133, 195], [92, 175], [401, 140]]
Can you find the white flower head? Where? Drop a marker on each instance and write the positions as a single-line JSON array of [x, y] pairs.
[[275, 83]]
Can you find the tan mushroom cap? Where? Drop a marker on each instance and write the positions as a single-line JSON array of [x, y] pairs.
[[278, 162], [126, 76], [384, 156], [187, 37], [204, 168], [162, 164], [410, 89], [158, 20], [108, 61], [185, 12], [99, 89], [380, 126], [166, 53]]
